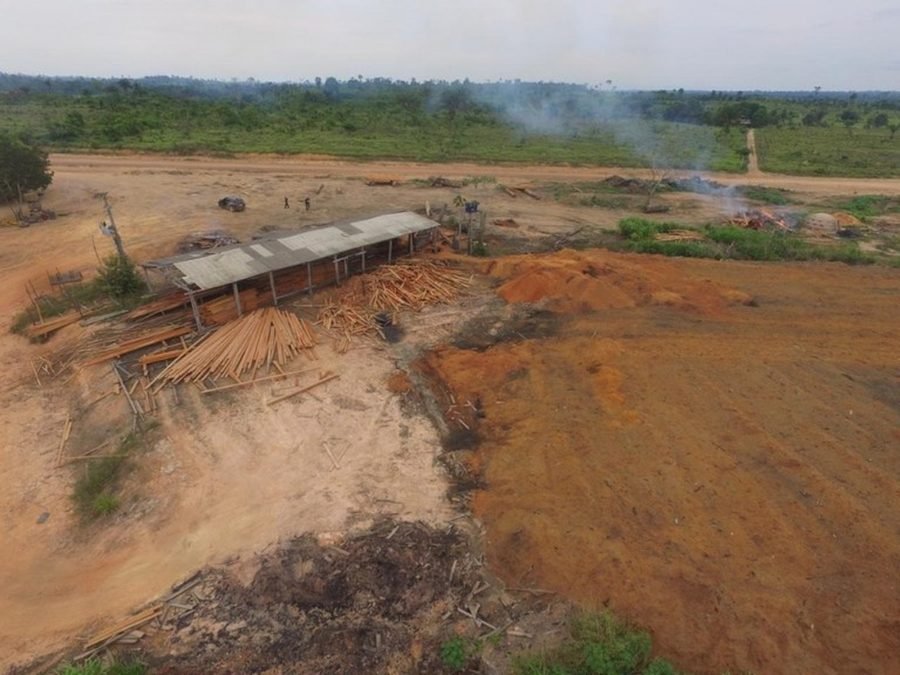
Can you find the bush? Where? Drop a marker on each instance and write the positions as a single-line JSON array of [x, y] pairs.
[[639, 228], [457, 652], [96, 667], [119, 277], [93, 491], [599, 644]]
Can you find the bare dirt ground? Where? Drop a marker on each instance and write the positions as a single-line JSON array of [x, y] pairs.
[[709, 449], [229, 478]]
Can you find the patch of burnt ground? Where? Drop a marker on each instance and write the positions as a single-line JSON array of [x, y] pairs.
[[383, 601], [518, 322]]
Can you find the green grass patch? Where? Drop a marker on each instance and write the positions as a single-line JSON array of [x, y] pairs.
[[458, 652], [97, 667], [828, 151], [598, 644], [767, 195], [735, 243], [95, 490], [637, 229], [866, 207]]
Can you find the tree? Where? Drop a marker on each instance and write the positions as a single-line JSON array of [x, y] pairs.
[[23, 167], [878, 121], [893, 127], [849, 118]]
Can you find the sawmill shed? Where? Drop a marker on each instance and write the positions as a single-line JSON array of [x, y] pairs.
[[282, 264]]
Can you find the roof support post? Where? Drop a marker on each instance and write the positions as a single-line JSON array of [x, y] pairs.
[[237, 299], [195, 310], [337, 271], [309, 285], [390, 250], [412, 243], [272, 284], [362, 255]]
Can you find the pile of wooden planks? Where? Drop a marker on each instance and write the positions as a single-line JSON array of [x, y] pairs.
[[264, 338], [51, 325], [134, 344], [407, 285], [222, 309], [158, 306]]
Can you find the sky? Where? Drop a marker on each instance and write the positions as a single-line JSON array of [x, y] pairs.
[[638, 44]]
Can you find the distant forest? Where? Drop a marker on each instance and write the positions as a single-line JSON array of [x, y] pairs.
[[432, 120]]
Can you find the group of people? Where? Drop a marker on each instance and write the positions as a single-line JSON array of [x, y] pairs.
[[306, 202]]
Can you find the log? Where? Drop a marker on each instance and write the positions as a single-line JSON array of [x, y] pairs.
[[303, 389]]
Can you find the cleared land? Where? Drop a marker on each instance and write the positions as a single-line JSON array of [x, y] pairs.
[[675, 400]]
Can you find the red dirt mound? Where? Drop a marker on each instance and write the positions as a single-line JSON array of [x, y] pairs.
[[570, 282], [730, 482]]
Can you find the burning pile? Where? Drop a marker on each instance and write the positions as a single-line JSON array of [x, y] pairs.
[[758, 219], [408, 285]]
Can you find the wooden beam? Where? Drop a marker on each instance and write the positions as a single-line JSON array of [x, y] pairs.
[[303, 389], [309, 283], [272, 284], [237, 299], [195, 310]]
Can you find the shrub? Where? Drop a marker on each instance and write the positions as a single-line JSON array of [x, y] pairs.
[[639, 228], [457, 652], [599, 644], [119, 277]]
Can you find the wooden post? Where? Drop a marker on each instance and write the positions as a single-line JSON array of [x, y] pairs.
[[309, 287], [272, 284], [237, 299], [412, 243], [390, 250], [362, 255], [195, 310], [337, 272]]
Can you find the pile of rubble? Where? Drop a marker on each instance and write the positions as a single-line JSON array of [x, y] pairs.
[[759, 219]]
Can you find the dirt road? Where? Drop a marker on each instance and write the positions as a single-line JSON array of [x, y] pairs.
[[314, 166], [753, 157]]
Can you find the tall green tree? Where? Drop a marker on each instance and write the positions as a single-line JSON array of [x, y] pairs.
[[23, 167]]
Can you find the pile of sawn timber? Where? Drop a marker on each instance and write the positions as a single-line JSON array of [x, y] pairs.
[[407, 285], [261, 339]]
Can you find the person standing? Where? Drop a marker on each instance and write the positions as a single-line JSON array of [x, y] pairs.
[[287, 204], [306, 203]]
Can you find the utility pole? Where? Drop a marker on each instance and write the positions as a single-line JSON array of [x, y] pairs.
[[109, 229]]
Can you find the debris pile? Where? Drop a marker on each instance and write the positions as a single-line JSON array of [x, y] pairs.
[[232, 203], [262, 339], [408, 285], [382, 181], [441, 182], [758, 219], [202, 241], [120, 348]]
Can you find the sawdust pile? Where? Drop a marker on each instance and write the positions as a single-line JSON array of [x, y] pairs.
[[571, 282]]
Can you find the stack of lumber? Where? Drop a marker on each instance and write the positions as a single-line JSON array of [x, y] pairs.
[[51, 325], [134, 344], [222, 309], [262, 338], [158, 306], [408, 285]]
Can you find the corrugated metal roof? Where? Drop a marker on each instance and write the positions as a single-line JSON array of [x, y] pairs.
[[206, 270]]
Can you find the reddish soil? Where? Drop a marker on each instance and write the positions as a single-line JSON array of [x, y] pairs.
[[726, 475]]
